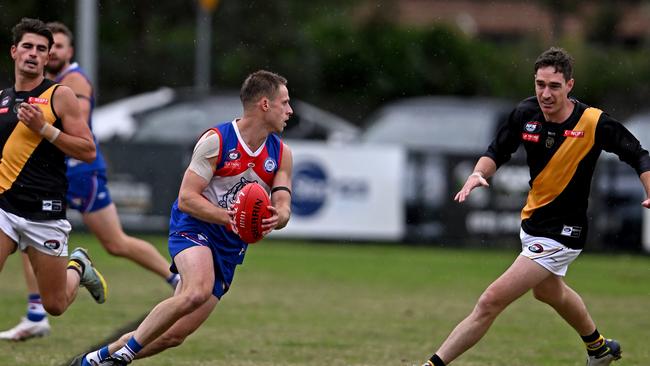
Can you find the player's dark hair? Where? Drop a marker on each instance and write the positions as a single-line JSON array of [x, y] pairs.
[[58, 27], [29, 25], [260, 84], [559, 59]]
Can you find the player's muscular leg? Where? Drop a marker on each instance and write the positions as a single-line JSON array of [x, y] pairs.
[[105, 224], [180, 330], [555, 292], [7, 246], [522, 275], [58, 286], [176, 334], [197, 271]]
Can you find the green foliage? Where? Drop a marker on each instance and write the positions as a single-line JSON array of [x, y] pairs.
[[332, 55], [295, 304]]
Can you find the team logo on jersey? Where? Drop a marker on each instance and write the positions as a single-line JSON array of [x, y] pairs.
[[270, 164], [35, 100], [228, 198], [533, 127], [575, 134], [536, 248], [52, 244], [5, 101], [234, 154], [549, 142], [17, 104], [532, 137]]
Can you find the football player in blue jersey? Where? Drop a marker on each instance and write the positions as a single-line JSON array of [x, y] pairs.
[[204, 249]]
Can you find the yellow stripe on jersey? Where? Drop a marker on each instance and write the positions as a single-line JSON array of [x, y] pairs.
[[22, 142], [561, 168]]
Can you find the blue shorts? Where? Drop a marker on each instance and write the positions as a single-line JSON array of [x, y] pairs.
[[87, 192], [224, 271]]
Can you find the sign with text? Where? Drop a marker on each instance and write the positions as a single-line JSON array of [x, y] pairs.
[[346, 192]]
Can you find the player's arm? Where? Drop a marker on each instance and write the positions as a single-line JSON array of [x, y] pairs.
[[75, 140], [280, 194], [645, 180], [485, 168], [82, 90], [615, 138], [196, 179]]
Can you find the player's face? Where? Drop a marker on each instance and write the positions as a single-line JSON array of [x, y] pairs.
[[60, 54], [279, 109], [552, 91], [30, 55]]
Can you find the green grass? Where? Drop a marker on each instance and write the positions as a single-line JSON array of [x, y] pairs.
[[341, 305]]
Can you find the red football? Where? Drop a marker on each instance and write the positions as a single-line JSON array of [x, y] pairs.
[[250, 208]]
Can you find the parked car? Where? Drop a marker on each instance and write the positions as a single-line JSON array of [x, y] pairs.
[[148, 139], [179, 116], [444, 137]]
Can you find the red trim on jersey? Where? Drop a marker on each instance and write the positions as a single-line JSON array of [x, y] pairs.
[[280, 154], [214, 169]]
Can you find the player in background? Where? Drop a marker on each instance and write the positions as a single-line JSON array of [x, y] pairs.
[[204, 250], [40, 123], [563, 139], [87, 193]]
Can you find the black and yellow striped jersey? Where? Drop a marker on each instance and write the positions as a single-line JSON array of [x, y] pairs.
[[33, 183], [562, 158]]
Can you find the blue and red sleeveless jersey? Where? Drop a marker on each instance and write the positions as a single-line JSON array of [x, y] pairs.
[[236, 166], [76, 166]]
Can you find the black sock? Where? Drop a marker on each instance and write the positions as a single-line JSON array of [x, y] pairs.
[[593, 342], [436, 361]]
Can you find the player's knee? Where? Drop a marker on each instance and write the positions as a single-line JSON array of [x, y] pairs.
[[489, 304], [193, 299], [54, 307], [115, 248], [547, 296], [540, 295], [171, 340]]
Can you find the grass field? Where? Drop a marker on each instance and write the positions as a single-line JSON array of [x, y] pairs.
[[341, 305]]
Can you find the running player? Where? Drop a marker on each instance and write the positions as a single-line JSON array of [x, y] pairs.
[[563, 139], [87, 193], [40, 123], [204, 250]]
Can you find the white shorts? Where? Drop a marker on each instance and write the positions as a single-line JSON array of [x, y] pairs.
[[548, 253], [46, 236]]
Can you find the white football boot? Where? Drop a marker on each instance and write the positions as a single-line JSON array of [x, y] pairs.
[[27, 329]]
